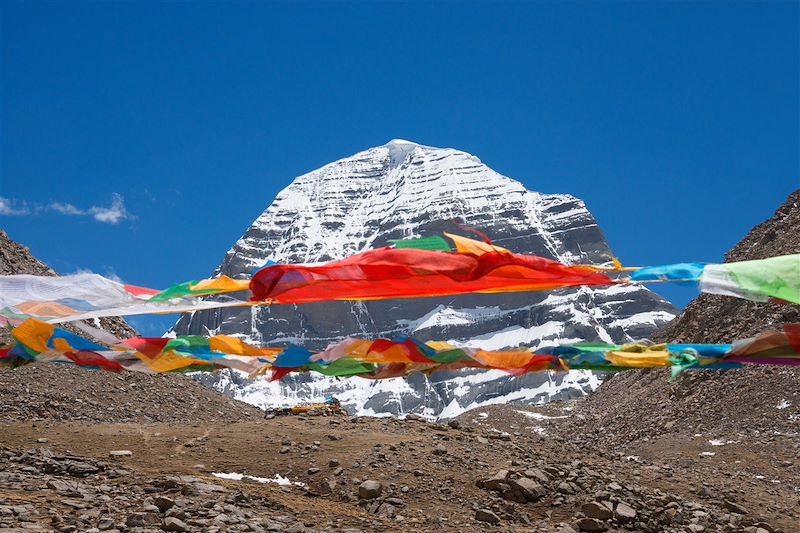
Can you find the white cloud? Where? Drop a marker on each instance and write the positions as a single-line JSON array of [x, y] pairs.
[[65, 209], [112, 214], [10, 207]]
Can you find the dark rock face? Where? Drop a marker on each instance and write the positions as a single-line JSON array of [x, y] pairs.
[[403, 190]]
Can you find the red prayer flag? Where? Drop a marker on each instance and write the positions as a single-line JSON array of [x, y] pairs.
[[411, 273]]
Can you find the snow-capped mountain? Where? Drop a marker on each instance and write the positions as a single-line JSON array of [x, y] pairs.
[[404, 190]]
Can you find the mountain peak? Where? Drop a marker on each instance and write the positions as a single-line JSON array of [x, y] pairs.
[[402, 190], [400, 142], [399, 150]]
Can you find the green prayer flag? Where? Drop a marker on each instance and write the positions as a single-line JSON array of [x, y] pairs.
[[176, 291], [448, 356], [778, 277], [342, 367], [435, 243]]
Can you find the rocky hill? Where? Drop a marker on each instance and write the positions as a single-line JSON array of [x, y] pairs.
[[17, 259], [65, 392], [405, 190], [60, 392], [750, 402], [712, 318]]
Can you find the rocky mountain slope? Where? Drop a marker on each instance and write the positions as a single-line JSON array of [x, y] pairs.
[[404, 190], [752, 402], [47, 392], [711, 318], [17, 259], [65, 392]]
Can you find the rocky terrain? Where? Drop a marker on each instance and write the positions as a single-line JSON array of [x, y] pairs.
[[62, 392], [761, 403], [500, 468]]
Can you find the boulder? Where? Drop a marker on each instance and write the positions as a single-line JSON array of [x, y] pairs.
[[591, 524], [537, 475], [529, 489], [485, 515], [734, 507], [163, 503], [624, 513], [369, 489], [386, 510], [493, 483], [597, 510], [174, 524]]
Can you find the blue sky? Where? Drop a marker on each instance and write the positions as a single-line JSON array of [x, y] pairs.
[[141, 139]]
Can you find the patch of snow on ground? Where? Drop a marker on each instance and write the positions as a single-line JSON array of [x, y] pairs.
[[783, 405], [720, 442], [539, 416], [708, 454], [278, 479]]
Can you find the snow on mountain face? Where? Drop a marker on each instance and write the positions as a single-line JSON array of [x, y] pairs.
[[393, 192], [404, 190]]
